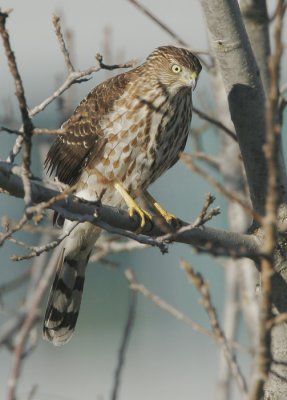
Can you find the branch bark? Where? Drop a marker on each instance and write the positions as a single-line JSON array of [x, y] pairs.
[[74, 209], [256, 20], [245, 93], [240, 275]]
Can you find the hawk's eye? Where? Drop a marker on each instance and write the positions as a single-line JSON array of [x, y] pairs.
[[175, 68]]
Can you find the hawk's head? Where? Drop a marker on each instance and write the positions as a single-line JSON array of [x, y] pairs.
[[174, 67]]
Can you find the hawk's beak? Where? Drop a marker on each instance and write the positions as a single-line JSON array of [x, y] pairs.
[[189, 78], [193, 80]]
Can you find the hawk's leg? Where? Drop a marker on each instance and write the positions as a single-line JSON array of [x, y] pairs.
[[133, 207], [168, 217]]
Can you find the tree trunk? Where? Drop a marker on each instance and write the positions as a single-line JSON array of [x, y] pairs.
[[246, 99]]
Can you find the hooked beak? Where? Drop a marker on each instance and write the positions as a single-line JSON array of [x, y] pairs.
[[193, 80], [190, 79]]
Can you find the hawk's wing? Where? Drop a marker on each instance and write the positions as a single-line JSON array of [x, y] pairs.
[[83, 138]]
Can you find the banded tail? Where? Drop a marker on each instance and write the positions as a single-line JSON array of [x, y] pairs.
[[66, 293]]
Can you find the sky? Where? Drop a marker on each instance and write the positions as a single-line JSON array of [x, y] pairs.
[[133, 35]]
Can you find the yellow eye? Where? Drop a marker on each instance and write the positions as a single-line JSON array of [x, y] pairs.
[[176, 68]]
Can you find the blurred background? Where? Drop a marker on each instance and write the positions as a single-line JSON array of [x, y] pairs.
[[165, 358]]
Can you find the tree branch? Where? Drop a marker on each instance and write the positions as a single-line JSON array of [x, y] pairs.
[[167, 29], [78, 210], [134, 285], [27, 324], [124, 344], [20, 94], [219, 336]]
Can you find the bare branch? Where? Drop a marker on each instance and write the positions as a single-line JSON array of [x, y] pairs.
[[187, 159], [73, 77], [134, 285], [105, 246], [124, 344], [76, 209], [37, 250], [16, 228], [102, 65], [20, 94], [219, 336], [29, 321], [64, 50], [208, 159], [204, 215], [163, 26], [215, 122]]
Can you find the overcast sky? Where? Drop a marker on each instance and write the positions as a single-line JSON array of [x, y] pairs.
[[133, 35]]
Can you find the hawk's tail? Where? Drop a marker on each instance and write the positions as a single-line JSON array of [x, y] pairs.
[[66, 293]]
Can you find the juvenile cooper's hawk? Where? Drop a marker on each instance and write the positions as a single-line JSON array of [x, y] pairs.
[[126, 133]]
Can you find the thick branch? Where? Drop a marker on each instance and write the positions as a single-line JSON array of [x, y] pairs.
[[74, 209]]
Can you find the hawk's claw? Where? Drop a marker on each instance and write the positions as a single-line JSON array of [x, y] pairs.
[[168, 217], [133, 207], [143, 215]]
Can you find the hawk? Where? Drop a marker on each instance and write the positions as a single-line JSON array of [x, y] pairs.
[[124, 135]]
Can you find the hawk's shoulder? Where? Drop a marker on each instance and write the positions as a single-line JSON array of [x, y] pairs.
[[83, 136]]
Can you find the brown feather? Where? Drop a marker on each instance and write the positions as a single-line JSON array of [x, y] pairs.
[[72, 151]]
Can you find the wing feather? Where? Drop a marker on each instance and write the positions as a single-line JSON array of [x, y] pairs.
[[83, 137]]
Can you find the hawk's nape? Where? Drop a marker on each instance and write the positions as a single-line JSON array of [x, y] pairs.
[[124, 135]]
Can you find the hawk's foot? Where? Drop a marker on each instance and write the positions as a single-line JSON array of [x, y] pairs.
[[168, 217], [133, 207]]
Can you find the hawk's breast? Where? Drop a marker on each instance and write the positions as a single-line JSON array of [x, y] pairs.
[[144, 136]]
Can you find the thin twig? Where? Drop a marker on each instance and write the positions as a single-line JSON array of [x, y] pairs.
[[211, 161], [27, 325], [11, 131], [124, 344], [205, 216], [134, 285], [64, 50], [219, 336], [36, 131], [15, 228], [215, 122], [155, 19], [37, 250], [187, 159], [102, 65], [104, 247], [20, 94], [73, 77], [37, 210]]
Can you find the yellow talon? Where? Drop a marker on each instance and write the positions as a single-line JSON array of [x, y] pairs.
[[168, 217], [143, 214], [133, 207]]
